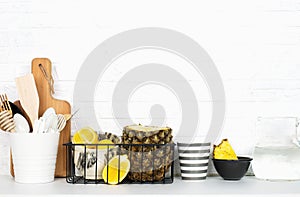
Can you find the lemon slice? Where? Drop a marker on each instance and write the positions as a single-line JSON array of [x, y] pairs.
[[106, 141], [113, 169], [85, 135]]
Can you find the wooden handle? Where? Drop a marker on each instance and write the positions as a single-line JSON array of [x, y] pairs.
[[42, 69]]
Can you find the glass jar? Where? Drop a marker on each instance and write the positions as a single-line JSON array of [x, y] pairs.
[[276, 153]]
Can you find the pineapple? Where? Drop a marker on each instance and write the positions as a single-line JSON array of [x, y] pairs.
[[224, 151], [114, 138], [149, 159]]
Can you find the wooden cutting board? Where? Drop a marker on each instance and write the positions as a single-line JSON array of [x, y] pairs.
[[60, 106], [45, 101]]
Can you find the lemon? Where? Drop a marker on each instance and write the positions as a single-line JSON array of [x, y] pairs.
[[85, 135], [106, 141], [113, 169]]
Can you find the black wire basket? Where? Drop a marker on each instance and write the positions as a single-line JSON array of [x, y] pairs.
[[149, 163]]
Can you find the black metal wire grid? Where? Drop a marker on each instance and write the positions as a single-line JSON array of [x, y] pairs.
[[161, 169]]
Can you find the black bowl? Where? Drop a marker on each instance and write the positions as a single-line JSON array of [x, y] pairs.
[[232, 169]]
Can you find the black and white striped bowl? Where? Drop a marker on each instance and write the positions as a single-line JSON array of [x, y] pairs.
[[193, 160]]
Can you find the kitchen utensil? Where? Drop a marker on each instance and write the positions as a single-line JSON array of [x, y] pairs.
[[232, 169], [276, 154], [50, 111], [42, 125], [49, 121], [6, 121], [61, 122], [21, 124], [42, 72], [28, 94], [36, 126], [69, 116], [53, 124], [17, 108], [4, 103]]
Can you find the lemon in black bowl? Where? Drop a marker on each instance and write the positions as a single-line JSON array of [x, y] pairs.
[[232, 169]]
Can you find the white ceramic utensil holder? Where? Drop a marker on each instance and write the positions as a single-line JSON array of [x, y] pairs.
[[34, 156]]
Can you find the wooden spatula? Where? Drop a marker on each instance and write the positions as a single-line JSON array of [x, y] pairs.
[[29, 97]]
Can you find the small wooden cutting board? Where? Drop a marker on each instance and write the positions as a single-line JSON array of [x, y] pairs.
[[46, 101]]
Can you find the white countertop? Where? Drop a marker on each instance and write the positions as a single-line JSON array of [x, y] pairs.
[[213, 186]]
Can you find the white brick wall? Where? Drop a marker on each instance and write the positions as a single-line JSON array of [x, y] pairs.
[[254, 44]]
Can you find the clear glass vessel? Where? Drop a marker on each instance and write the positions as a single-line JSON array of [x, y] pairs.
[[276, 153]]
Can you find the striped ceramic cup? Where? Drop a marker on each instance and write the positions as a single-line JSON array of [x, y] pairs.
[[193, 159]]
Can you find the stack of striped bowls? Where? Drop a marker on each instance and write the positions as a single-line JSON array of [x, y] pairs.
[[193, 159]]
